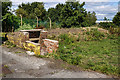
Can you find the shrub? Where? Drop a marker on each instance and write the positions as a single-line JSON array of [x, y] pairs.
[[114, 30], [94, 34], [116, 19], [9, 44], [67, 38], [25, 27], [106, 25]]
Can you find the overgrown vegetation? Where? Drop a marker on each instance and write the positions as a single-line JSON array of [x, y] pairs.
[[9, 44], [116, 19], [25, 27], [72, 14], [115, 31], [10, 22], [97, 53], [68, 14], [113, 26], [106, 25], [94, 34]]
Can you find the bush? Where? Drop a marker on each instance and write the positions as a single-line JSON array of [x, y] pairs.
[[94, 34], [114, 30], [106, 25], [116, 19], [25, 27], [67, 38], [9, 44]]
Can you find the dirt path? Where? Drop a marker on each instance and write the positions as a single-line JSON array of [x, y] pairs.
[[22, 65]]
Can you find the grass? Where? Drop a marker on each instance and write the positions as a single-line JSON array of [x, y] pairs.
[[96, 54], [9, 44], [6, 66], [18, 52]]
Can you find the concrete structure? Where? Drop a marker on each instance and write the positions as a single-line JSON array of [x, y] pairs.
[[33, 40]]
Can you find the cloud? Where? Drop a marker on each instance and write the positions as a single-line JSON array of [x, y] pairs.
[[101, 14], [20, 1], [48, 5], [98, 0], [103, 9], [62, 1]]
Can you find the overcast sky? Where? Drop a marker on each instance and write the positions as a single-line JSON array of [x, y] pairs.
[[103, 8]]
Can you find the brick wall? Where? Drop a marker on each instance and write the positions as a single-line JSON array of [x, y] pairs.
[[21, 39], [18, 38], [43, 35], [51, 45]]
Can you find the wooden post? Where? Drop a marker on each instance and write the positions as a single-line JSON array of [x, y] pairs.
[[21, 19], [50, 22], [12, 29], [37, 21]]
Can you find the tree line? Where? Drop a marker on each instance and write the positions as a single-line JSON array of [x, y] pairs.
[[69, 14]]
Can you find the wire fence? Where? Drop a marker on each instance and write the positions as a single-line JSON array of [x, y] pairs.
[[33, 23]]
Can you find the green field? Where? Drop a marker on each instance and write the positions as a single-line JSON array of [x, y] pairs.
[[92, 54]]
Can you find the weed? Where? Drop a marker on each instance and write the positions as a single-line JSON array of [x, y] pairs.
[[94, 34], [2, 75], [9, 44], [78, 37], [95, 54], [18, 52], [6, 66]]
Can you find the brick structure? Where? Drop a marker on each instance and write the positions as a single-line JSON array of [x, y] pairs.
[[51, 45], [31, 46], [18, 38], [43, 35], [33, 40]]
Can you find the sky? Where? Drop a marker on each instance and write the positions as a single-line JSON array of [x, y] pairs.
[[102, 8]]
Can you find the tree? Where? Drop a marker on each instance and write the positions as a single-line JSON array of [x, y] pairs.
[[39, 11], [33, 9], [52, 13], [73, 14], [9, 21], [21, 12], [91, 18], [6, 7], [116, 19], [105, 19]]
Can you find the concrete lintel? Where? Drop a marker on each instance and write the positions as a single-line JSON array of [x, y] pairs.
[[31, 30]]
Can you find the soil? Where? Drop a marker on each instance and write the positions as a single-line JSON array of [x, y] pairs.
[[77, 31], [21, 65], [5, 70], [51, 66], [54, 63]]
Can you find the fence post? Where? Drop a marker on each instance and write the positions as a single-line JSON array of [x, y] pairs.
[[37, 21], [50, 22], [12, 29], [21, 19]]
